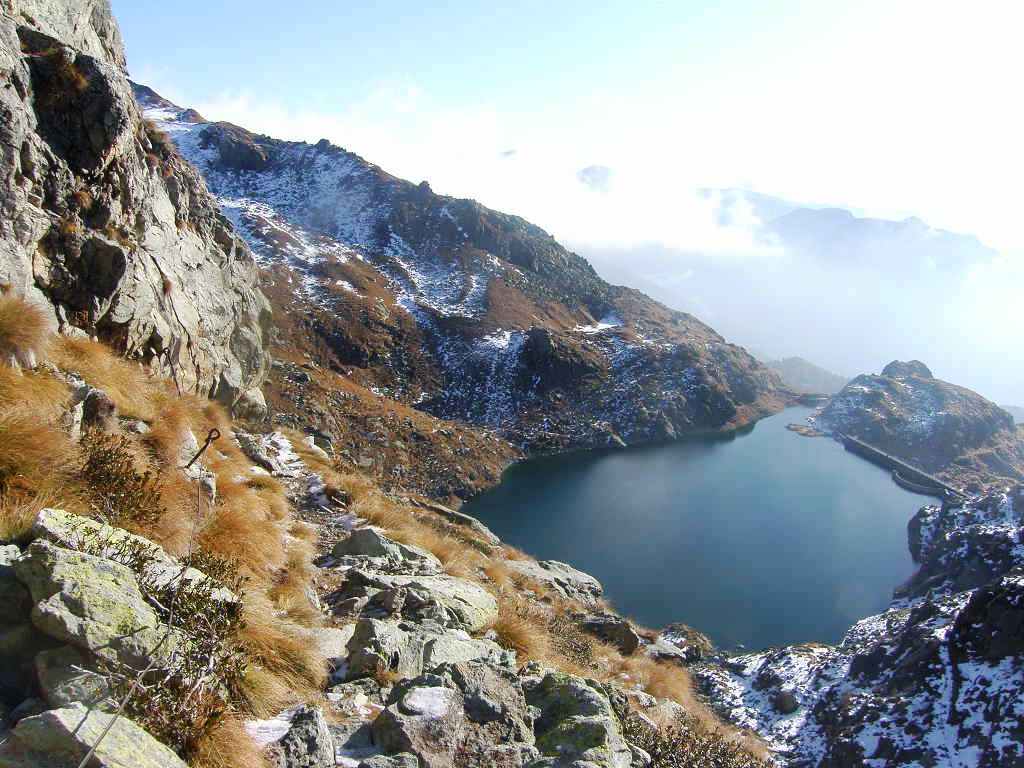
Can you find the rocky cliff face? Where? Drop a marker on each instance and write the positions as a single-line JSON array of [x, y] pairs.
[[944, 429], [464, 312], [938, 679], [104, 222]]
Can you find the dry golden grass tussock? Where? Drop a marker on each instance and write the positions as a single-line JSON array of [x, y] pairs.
[[33, 454], [289, 665], [125, 382], [36, 391], [24, 332], [227, 745]]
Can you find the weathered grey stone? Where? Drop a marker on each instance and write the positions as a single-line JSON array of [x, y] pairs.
[[65, 677], [91, 603], [393, 761], [612, 629], [498, 727], [143, 256], [426, 722], [577, 723], [77, 532], [562, 578], [308, 743], [472, 605], [60, 738], [15, 602], [409, 649], [371, 543]]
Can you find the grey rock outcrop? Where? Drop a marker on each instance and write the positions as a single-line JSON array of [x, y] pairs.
[[577, 724], [567, 581], [103, 222], [308, 743], [92, 603], [61, 737], [408, 649]]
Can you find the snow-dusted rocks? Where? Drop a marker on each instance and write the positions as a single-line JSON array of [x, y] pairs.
[[938, 679], [463, 311]]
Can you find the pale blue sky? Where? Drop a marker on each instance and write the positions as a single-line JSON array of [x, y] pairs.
[[889, 108]]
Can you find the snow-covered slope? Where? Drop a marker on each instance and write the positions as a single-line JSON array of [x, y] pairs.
[[462, 311]]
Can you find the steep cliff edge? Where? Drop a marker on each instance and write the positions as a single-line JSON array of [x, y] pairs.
[[460, 311], [102, 220]]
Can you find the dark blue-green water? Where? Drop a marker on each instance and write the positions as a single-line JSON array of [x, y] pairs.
[[767, 538]]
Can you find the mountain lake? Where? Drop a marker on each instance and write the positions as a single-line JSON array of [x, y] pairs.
[[759, 539]]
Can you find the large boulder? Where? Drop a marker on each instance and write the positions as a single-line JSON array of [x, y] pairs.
[[159, 569], [444, 599], [65, 676], [562, 578], [577, 723], [409, 649], [370, 548], [427, 721], [61, 738], [93, 604], [611, 628], [104, 224], [307, 744]]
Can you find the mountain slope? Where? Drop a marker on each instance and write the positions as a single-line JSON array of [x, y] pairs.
[[104, 224], [804, 376], [464, 312], [940, 427]]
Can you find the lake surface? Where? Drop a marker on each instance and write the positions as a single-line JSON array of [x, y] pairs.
[[767, 538]]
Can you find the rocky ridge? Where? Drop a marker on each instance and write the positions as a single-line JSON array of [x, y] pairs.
[[944, 429], [463, 312], [104, 223]]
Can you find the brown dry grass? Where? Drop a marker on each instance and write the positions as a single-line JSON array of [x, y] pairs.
[[227, 745], [249, 523], [127, 384], [24, 331]]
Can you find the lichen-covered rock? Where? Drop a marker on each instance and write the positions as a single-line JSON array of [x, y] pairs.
[[103, 222], [307, 744], [64, 677], [409, 649], [565, 580], [60, 738], [91, 603], [76, 532], [426, 722], [577, 724]]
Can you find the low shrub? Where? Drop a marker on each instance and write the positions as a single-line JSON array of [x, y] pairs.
[[688, 743], [119, 494]]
